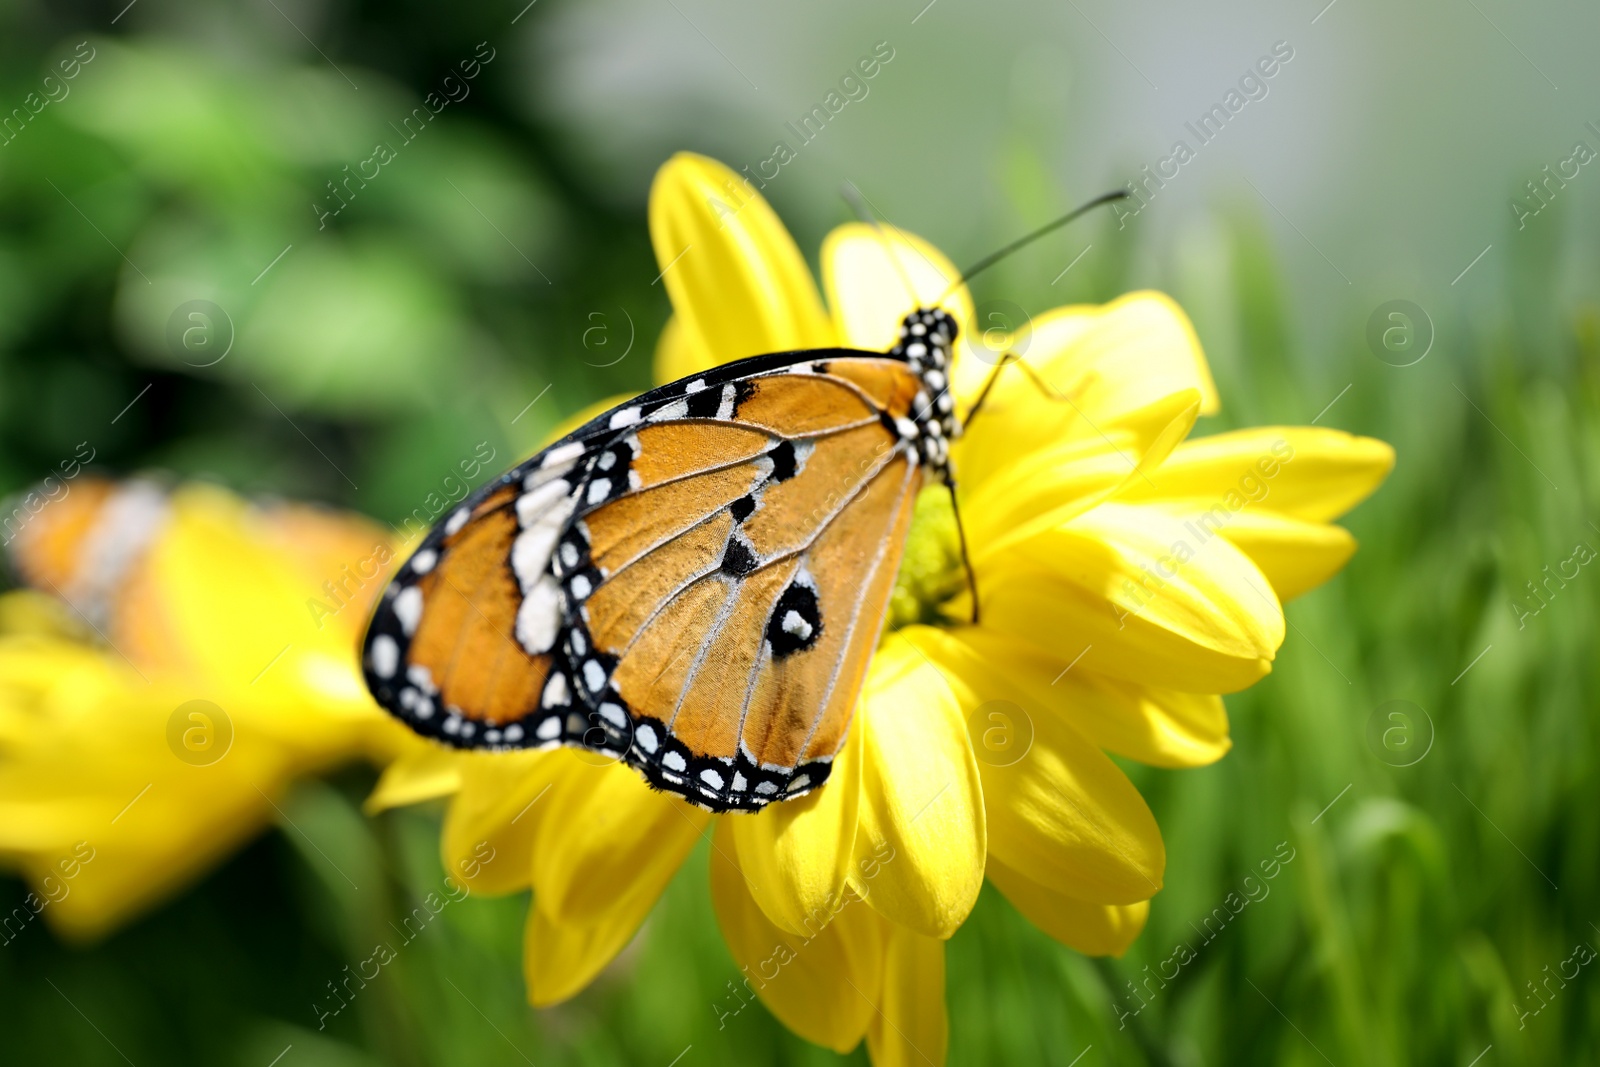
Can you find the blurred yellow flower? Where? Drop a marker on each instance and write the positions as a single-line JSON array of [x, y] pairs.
[[1126, 579], [171, 675]]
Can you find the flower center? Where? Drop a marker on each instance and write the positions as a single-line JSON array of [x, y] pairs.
[[931, 587]]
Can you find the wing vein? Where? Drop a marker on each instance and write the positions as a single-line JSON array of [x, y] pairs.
[[724, 613], [855, 615], [580, 490], [778, 558]]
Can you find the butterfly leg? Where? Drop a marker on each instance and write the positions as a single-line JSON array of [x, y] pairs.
[[1050, 392], [966, 558], [983, 394]]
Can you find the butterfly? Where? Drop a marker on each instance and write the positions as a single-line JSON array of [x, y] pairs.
[[692, 582]]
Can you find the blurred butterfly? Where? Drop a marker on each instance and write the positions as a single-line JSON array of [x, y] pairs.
[[692, 582]]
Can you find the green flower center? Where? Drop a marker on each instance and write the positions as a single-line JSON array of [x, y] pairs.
[[932, 584]]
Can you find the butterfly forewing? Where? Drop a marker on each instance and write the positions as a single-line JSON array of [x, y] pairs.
[[693, 582]]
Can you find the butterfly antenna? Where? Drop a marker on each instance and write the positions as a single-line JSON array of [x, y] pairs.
[[1027, 239], [858, 204]]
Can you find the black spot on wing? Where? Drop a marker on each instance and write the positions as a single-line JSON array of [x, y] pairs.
[[742, 508], [784, 462], [704, 404], [796, 621], [737, 559]]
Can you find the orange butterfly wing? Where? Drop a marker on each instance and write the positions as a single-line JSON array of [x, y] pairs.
[[693, 582]]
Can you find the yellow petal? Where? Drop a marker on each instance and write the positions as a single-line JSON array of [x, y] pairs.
[[214, 568], [103, 745], [1059, 810], [921, 843], [96, 753], [1151, 599], [604, 831], [738, 283], [1295, 556], [1038, 490], [910, 1028], [24, 611], [561, 957], [678, 354], [94, 780], [1093, 929], [876, 275], [1305, 472], [797, 854], [1156, 726], [607, 846], [1138, 347], [821, 982], [1112, 362], [492, 827], [420, 775]]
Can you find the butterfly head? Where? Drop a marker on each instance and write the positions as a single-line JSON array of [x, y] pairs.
[[925, 343]]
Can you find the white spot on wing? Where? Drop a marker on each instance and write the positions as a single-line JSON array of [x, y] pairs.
[[725, 408], [456, 521], [676, 410], [530, 554], [384, 656], [599, 489], [539, 502], [794, 624], [695, 386], [562, 454], [645, 735], [674, 761], [539, 617], [556, 692], [626, 417], [408, 608], [423, 561]]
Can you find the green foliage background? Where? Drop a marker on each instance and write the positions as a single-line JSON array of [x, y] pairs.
[[465, 279]]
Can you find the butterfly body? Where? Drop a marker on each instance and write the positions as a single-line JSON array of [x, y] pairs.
[[692, 582]]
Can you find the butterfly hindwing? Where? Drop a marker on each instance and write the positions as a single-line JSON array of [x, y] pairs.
[[693, 582]]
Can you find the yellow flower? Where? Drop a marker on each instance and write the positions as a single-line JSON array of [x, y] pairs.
[[191, 595], [1126, 579]]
